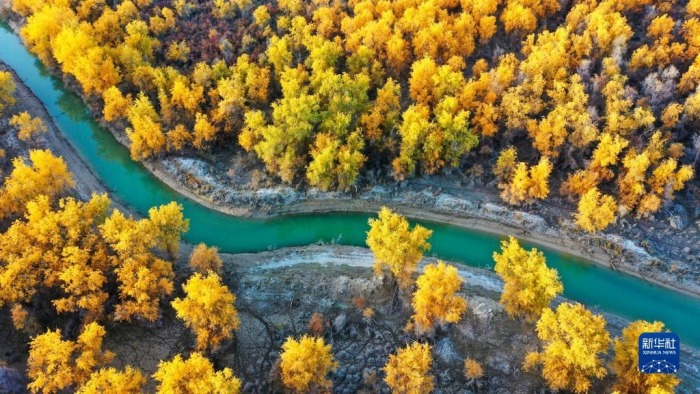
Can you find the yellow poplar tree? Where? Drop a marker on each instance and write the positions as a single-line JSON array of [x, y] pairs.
[[55, 364], [167, 225], [472, 369], [116, 105], [56, 249], [529, 285], [523, 184], [539, 179], [435, 300], [196, 375], [7, 90], [111, 380], [408, 371], [204, 259], [204, 131], [384, 114], [208, 310], [595, 211], [143, 278], [146, 135], [505, 165], [626, 362], [422, 86], [395, 246], [306, 363], [574, 340], [47, 175], [27, 126]]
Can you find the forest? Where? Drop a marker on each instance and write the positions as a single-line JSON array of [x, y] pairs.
[[596, 101]]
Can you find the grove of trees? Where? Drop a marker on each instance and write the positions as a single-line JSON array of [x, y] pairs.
[[66, 259], [600, 94], [93, 265]]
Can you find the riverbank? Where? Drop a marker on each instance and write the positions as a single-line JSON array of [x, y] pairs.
[[482, 212], [482, 288]]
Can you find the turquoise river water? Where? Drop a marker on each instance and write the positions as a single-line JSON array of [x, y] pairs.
[[585, 282]]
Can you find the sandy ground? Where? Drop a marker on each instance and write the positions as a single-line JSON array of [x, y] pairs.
[[478, 284], [278, 290]]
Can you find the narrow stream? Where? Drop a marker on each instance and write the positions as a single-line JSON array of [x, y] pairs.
[[585, 282]]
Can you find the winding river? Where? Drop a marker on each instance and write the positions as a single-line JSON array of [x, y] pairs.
[[585, 282]]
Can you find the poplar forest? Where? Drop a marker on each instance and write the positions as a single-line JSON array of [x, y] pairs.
[[590, 106]]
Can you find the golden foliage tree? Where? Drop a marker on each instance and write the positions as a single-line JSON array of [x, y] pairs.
[[72, 259], [395, 246], [116, 105], [79, 54], [204, 259], [435, 300], [44, 25], [384, 114], [27, 126], [408, 371], [143, 278], [7, 90], [195, 375], [56, 364], [529, 284], [580, 182], [85, 256], [305, 364], [167, 224], [415, 128], [574, 340], [595, 211], [204, 131], [47, 175], [334, 164], [517, 17], [111, 380], [422, 85], [208, 310], [505, 165], [472, 369], [145, 133], [626, 362], [526, 184]]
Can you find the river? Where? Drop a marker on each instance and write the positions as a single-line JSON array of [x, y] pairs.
[[586, 282]]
